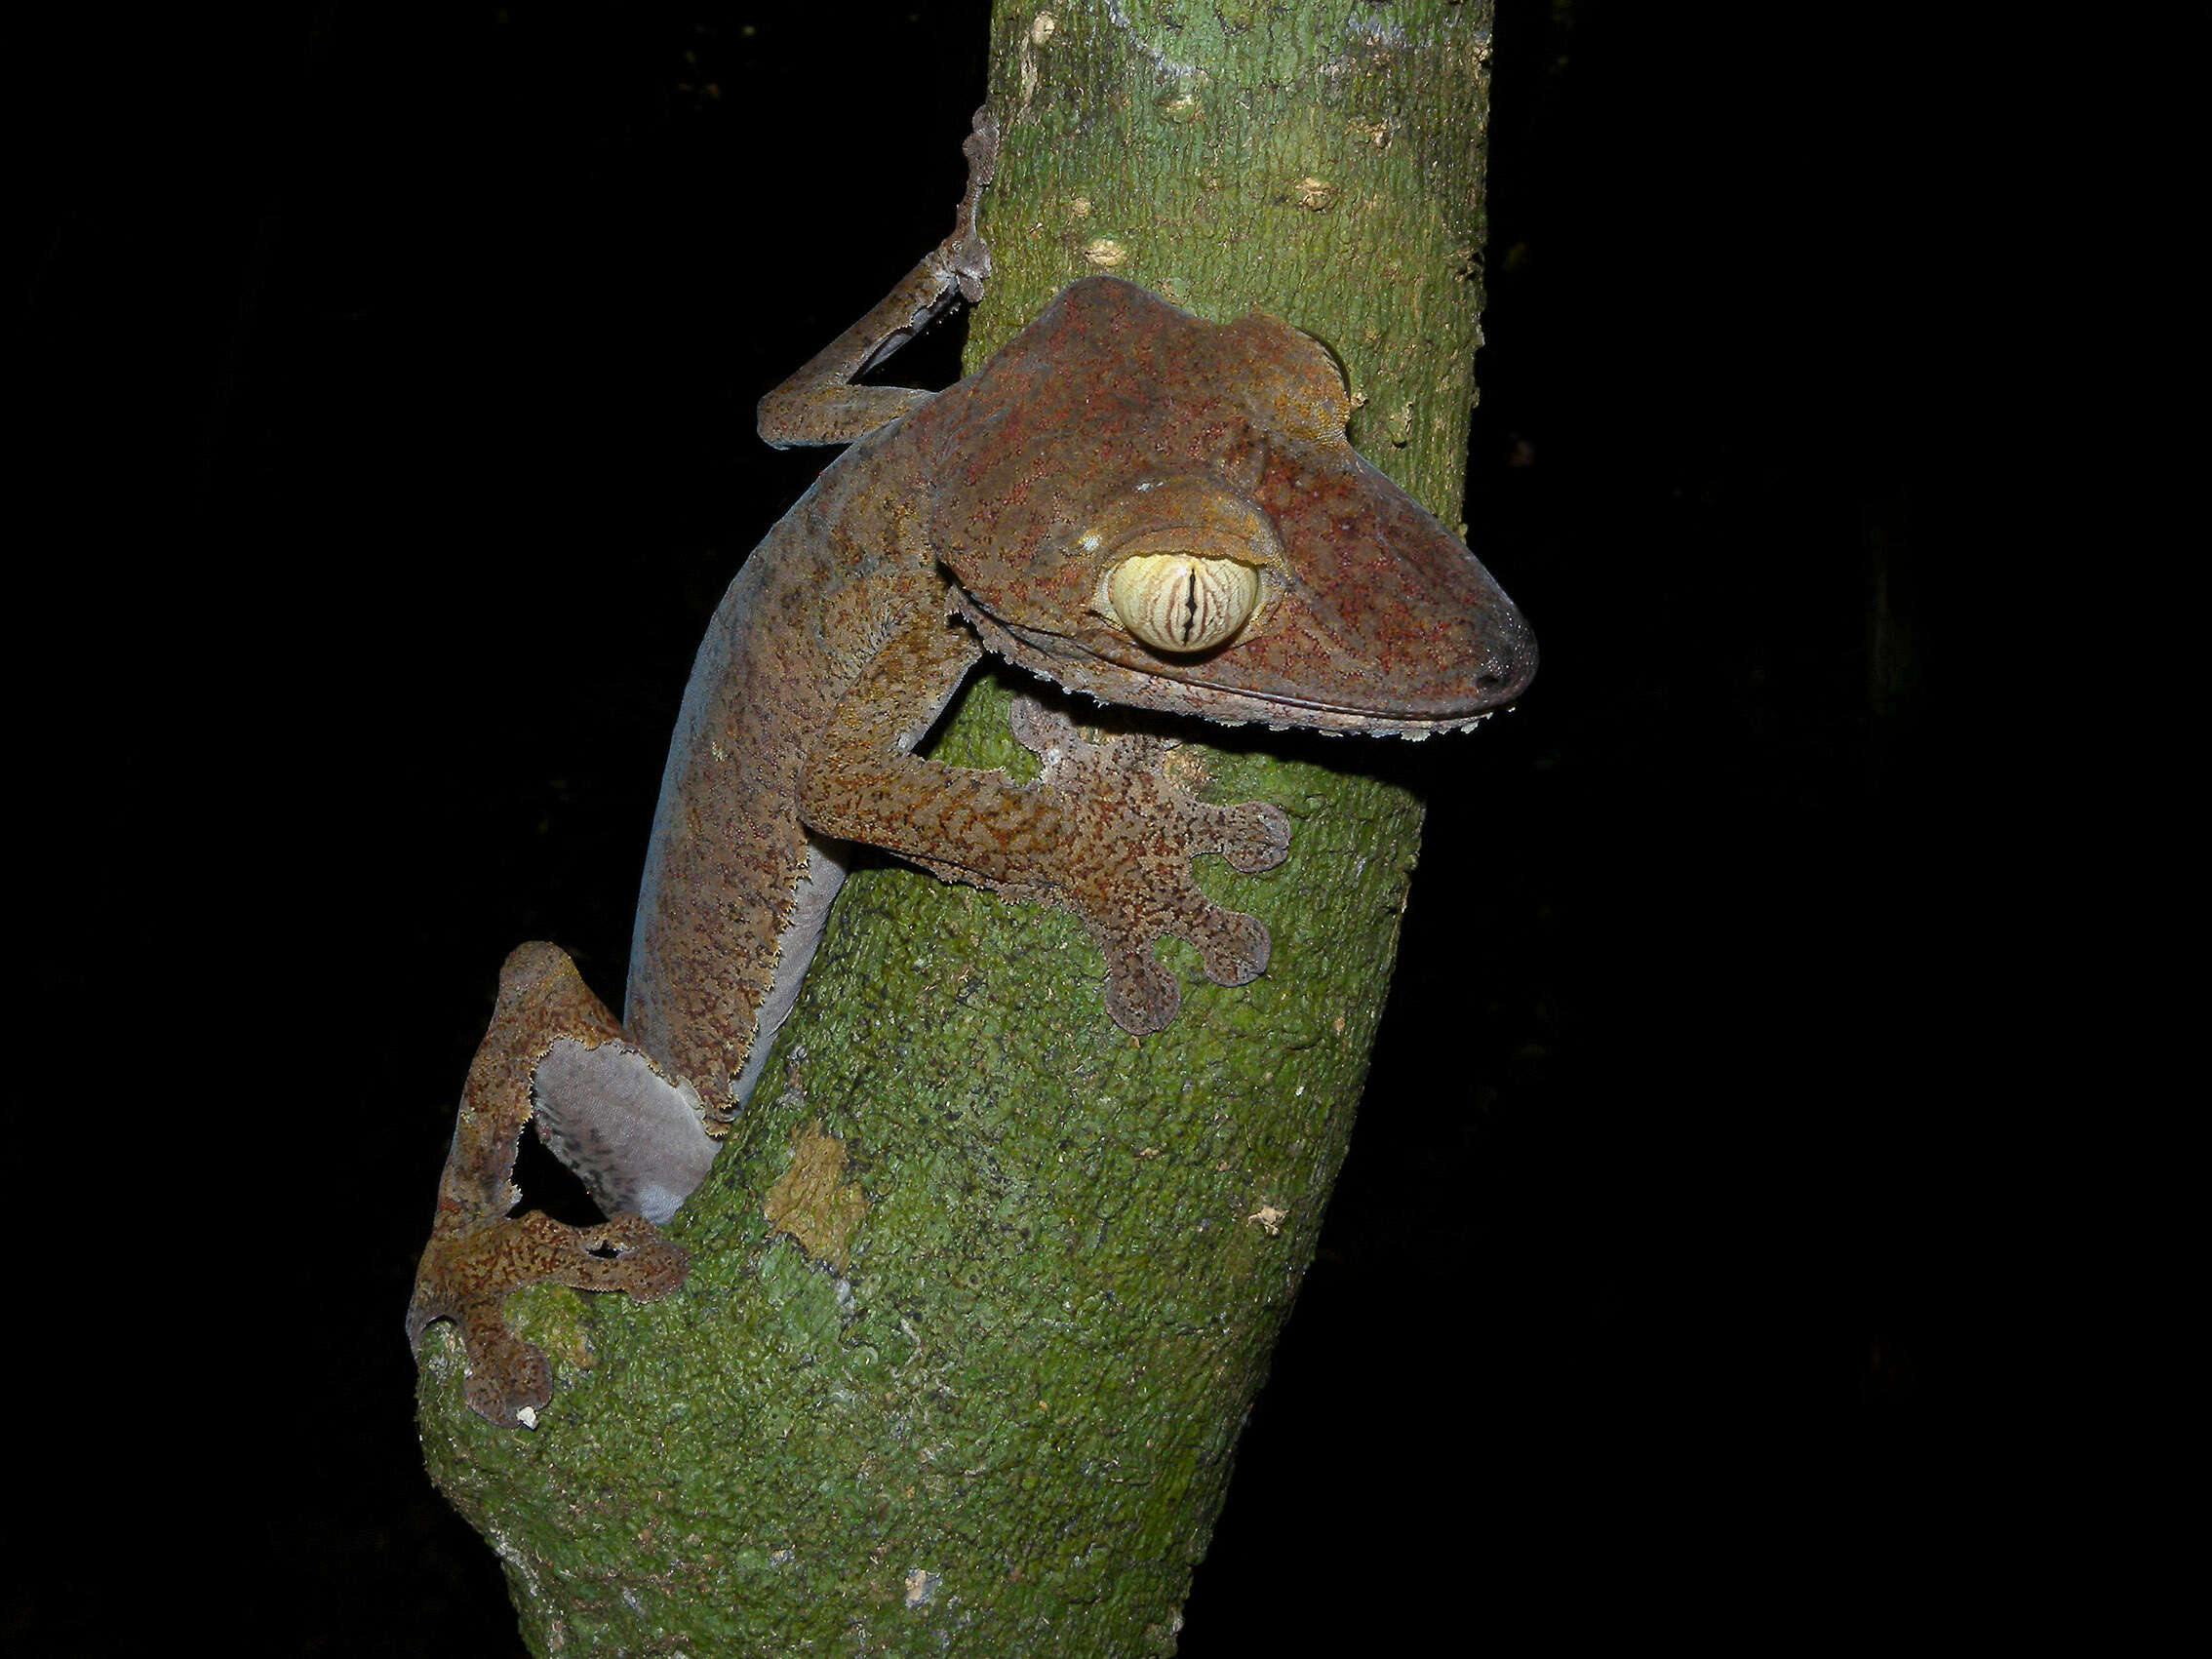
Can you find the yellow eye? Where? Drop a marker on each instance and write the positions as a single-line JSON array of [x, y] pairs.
[[1181, 600]]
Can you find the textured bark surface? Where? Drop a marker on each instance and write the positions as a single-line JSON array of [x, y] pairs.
[[977, 1383]]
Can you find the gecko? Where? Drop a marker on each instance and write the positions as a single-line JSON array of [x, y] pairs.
[[1140, 506]]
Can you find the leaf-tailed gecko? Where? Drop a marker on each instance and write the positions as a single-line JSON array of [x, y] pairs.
[[1151, 509]]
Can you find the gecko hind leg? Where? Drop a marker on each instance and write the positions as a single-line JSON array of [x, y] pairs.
[[631, 1130]]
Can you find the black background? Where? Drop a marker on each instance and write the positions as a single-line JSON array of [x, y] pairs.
[[391, 373]]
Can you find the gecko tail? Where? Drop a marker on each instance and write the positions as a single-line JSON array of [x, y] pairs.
[[632, 1133]]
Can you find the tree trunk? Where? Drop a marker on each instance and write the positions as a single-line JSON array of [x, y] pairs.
[[982, 1287]]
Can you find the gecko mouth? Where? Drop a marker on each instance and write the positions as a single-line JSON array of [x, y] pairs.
[[1114, 672], [1279, 713]]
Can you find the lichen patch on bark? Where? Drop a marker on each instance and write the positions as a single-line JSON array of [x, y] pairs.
[[807, 1200]]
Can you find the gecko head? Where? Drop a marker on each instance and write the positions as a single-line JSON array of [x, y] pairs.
[[1165, 513]]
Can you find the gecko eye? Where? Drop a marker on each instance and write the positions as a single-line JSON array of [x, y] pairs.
[[1183, 602]]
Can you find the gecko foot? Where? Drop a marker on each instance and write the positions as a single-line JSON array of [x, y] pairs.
[[466, 1276], [1127, 870], [630, 1129], [966, 253]]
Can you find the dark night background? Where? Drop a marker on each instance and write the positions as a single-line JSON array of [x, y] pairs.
[[393, 371]]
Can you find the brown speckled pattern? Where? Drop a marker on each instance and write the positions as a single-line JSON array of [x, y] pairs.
[[478, 1254], [1105, 832], [1114, 426]]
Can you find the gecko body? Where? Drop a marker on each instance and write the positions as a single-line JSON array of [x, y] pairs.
[[1138, 505]]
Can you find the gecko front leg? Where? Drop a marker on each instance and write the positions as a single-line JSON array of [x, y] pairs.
[[1127, 874], [1106, 832], [820, 404], [632, 1132]]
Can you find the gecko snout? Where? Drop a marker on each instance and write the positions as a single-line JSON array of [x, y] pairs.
[[1509, 667]]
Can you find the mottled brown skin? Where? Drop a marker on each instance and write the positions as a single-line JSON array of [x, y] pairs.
[[985, 516], [478, 1254]]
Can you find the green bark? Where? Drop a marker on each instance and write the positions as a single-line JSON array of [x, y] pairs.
[[978, 1384]]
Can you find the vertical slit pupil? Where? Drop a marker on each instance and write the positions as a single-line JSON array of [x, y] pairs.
[[1189, 606]]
